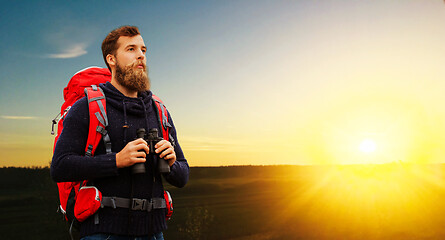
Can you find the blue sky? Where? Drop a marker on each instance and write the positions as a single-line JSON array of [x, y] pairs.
[[247, 82], [48, 41]]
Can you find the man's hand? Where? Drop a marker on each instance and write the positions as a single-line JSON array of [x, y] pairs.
[[130, 154], [167, 152]]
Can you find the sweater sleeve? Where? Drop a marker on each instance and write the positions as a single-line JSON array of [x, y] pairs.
[[69, 162], [179, 171]]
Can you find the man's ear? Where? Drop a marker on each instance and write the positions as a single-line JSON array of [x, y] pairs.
[[111, 60]]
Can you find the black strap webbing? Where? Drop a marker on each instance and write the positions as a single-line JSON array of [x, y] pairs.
[[134, 203]]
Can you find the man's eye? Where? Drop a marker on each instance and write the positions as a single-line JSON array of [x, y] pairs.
[[131, 49]]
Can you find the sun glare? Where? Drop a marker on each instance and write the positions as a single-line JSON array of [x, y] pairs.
[[368, 146]]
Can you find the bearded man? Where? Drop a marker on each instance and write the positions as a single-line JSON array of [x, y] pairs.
[[129, 107]]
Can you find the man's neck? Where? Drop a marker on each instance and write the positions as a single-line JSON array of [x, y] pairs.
[[123, 90]]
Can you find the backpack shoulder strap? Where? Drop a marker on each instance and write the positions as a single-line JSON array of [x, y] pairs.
[[98, 120], [163, 119]]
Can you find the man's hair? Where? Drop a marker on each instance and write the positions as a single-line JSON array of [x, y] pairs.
[[109, 45]]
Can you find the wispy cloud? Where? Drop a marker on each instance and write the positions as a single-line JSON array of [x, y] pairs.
[[195, 143], [19, 117], [72, 51]]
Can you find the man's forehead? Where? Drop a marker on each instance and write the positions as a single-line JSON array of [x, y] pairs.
[[125, 41]]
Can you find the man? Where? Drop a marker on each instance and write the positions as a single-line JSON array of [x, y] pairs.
[[129, 107]]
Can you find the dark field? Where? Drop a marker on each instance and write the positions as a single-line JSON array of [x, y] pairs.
[[392, 201]]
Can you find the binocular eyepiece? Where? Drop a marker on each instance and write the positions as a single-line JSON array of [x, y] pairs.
[[152, 138]]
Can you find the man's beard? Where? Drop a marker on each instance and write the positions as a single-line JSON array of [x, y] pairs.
[[132, 78]]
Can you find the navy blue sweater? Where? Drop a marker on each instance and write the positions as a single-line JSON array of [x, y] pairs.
[[69, 163]]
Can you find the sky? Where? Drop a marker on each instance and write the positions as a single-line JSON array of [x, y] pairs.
[[249, 82]]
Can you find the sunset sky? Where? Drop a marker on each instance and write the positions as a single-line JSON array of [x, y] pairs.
[[247, 82]]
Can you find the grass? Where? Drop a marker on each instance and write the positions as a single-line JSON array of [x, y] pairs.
[[391, 201]]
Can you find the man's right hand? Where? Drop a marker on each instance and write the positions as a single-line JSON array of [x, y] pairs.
[[131, 153]]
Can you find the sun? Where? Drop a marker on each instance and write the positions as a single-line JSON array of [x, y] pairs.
[[368, 146]]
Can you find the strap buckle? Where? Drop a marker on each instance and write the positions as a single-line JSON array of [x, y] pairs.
[[138, 204]]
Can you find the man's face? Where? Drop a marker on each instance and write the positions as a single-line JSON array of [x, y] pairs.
[[130, 65]]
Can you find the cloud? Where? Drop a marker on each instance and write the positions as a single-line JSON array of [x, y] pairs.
[[195, 143], [19, 117], [73, 51]]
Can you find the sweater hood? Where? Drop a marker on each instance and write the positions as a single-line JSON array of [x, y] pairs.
[[139, 106]]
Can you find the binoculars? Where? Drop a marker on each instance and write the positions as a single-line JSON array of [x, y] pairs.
[[151, 138]]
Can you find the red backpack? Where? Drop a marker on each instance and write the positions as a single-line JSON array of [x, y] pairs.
[[83, 83]]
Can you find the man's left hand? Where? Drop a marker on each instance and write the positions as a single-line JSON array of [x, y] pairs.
[[166, 151]]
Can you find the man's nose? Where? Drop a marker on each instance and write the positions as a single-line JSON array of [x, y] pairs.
[[141, 55]]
